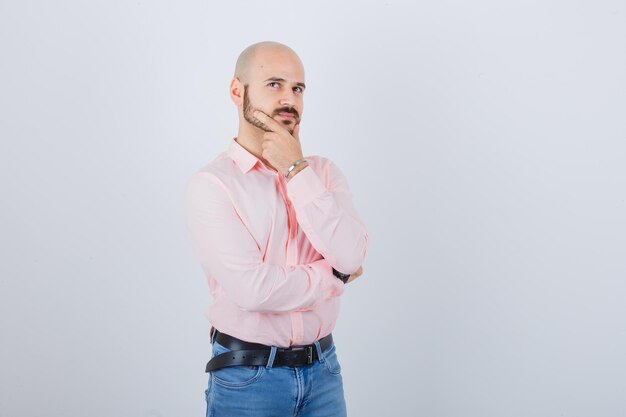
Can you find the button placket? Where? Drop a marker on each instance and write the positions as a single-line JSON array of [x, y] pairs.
[[292, 221]]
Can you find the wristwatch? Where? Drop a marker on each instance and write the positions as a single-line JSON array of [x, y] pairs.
[[342, 277]]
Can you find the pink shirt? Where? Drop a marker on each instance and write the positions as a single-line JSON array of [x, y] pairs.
[[267, 245]]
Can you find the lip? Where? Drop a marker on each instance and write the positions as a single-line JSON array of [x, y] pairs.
[[286, 115]]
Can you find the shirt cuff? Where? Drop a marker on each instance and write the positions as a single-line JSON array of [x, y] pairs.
[[305, 187]]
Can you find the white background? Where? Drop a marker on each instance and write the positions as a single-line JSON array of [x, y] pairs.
[[484, 143]]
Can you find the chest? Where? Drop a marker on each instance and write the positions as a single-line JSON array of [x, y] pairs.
[[263, 205]]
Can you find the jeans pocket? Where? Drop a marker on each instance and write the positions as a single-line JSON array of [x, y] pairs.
[[238, 376], [331, 361], [235, 376]]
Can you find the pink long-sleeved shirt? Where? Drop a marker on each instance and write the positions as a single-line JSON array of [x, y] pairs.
[[267, 245]]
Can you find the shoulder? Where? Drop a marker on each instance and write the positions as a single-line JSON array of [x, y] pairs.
[[213, 174], [221, 165]]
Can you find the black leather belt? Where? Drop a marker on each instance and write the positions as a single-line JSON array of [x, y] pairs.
[[256, 354]]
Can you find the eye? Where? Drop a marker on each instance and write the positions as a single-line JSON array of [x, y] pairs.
[[301, 90], [273, 82]]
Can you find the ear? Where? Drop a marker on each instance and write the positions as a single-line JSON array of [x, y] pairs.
[[236, 91]]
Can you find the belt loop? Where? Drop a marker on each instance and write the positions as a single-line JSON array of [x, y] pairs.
[[270, 361], [320, 356]]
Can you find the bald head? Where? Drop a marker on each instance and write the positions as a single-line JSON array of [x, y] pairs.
[[252, 58]]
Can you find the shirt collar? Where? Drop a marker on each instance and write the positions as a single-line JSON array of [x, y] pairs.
[[244, 159]]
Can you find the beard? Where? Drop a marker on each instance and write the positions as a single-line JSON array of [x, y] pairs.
[[249, 109]]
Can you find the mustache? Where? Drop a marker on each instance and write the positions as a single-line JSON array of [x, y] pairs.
[[287, 110]]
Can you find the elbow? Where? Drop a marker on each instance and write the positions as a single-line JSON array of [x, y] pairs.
[[355, 259]]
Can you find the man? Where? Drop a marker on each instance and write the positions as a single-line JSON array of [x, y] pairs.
[[278, 239]]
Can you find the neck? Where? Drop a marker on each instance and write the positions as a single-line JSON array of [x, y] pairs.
[[251, 139]]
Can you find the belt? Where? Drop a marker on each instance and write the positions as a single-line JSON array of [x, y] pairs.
[[256, 354]]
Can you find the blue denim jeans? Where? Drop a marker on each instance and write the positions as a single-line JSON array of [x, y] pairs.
[[314, 390]]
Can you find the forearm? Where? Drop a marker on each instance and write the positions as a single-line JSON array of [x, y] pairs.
[[329, 219], [275, 289]]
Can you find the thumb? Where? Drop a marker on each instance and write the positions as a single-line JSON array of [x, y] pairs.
[[296, 132]]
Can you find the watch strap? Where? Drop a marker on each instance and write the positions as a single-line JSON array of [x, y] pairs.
[[342, 277]]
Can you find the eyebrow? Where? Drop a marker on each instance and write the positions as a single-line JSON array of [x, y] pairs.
[[301, 84]]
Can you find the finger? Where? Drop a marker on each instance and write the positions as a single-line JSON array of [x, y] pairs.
[[296, 132], [270, 123]]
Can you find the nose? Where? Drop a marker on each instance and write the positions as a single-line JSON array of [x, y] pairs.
[[288, 99]]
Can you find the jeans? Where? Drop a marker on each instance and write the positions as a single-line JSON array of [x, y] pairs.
[[314, 390]]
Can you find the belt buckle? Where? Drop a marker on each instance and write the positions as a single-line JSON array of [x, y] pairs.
[[309, 355]]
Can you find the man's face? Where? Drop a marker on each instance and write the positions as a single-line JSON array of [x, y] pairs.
[[275, 90]]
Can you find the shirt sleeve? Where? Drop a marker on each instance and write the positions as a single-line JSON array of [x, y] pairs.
[[328, 217], [229, 253]]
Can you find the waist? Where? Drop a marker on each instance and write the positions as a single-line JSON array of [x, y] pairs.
[[234, 343], [277, 329]]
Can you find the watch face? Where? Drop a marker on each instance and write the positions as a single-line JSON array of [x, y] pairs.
[[343, 277]]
